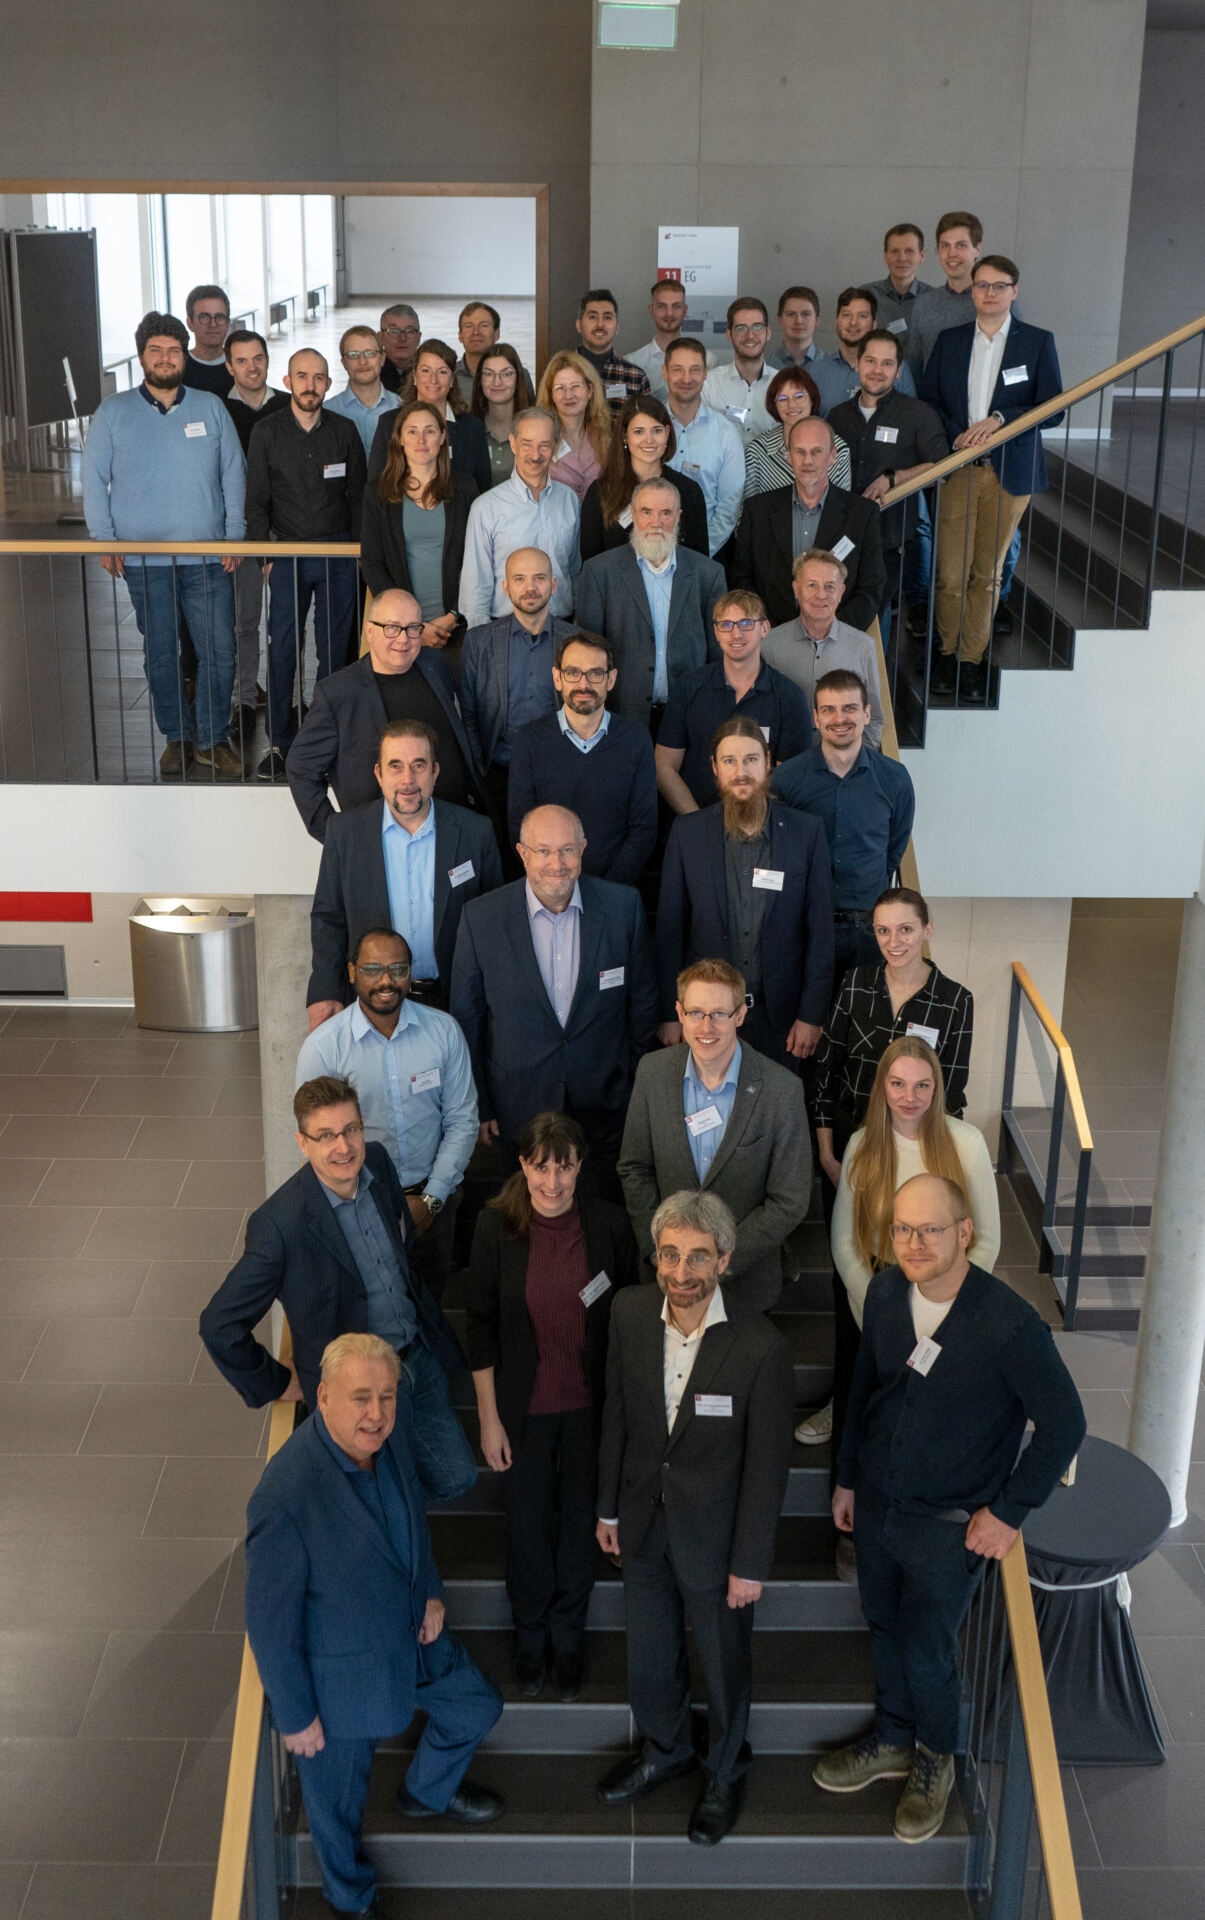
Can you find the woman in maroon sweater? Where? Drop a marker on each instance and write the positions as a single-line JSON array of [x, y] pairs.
[[545, 1264]]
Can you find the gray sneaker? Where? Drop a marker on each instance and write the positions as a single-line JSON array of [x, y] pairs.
[[849, 1769], [922, 1805]]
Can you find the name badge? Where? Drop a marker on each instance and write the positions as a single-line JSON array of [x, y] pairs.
[[923, 1354], [335, 470], [615, 390], [194, 430], [715, 1406], [610, 977], [1012, 375], [765, 734], [424, 1082], [889, 434], [739, 414], [594, 1289], [705, 1122], [458, 875], [769, 877], [562, 450], [930, 1035], [625, 518], [844, 545], [897, 326]]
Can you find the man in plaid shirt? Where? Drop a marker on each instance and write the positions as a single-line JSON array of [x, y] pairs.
[[597, 325]]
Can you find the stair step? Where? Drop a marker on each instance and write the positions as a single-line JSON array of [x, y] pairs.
[[556, 1833], [807, 1486], [1111, 551], [670, 1903], [1085, 486], [1107, 1252]]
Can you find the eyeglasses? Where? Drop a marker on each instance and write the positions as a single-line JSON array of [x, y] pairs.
[[993, 286], [574, 392], [361, 353], [926, 1235], [392, 629], [697, 1262], [376, 969], [401, 333], [352, 1132], [553, 853], [499, 373], [735, 626], [716, 1013], [760, 327], [573, 676], [803, 395]]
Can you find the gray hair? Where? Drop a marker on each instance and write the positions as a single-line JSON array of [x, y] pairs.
[[357, 1346], [660, 483], [400, 306], [544, 415], [703, 1212]]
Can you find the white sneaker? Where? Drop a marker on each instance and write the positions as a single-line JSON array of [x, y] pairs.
[[817, 1428]]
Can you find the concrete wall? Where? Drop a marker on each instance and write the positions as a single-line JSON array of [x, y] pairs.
[[455, 244], [813, 128], [1164, 285], [299, 93]]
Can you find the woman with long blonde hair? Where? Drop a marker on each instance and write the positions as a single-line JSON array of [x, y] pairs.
[[572, 389]]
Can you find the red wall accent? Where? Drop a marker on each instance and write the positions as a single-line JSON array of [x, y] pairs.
[[45, 906]]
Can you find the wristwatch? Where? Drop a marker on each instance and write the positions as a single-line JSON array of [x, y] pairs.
[[433, 1205]]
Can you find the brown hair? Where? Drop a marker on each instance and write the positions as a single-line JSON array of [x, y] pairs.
[[391, 482], [880, 337], [999, 263], [548, 1136], [904, 897], [799, 293], [501, 350], [410, 730], [479, 306], [848, 295], [713, 973], [791, 376], [438, 350], [747, 301], [582, 637], [959, 219], [904, 226], [873, 1169], [329, 1090], [751, 604], [598, 413], [743, 728], [616, 483]]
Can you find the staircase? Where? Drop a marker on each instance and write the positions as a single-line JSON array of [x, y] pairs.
[[812, 1687], [1116, 1229]]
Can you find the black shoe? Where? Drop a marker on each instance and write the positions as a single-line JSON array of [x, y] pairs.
[[1003, 623], [567, 1673], [918, 620], [972, 684], [471, 1805], [633, 1779], [528, 1669], [717, 1811], [943, 673], [272, 767]]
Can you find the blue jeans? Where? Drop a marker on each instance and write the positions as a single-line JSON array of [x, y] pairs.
[[204, 595], [918, 553], [442, 1452], [1010, 565], [292, 585]]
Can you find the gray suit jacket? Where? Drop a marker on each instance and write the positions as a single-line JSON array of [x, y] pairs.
[[762, 1169], [611, 600]]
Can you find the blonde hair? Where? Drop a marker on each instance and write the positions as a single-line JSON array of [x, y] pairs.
[[357, 1346], [873, 1174], [598, 413]]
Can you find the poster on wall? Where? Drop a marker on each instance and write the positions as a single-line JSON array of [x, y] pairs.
[[704, 259]]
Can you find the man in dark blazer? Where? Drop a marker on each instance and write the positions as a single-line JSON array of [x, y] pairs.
[[506, 667], [332, 1246], [657, 628], [714, 1114], [748, 881], [397, 679], [346, 1619], [696, 1448], [775, 527], [353, 892], [980, 378], [553, 984]]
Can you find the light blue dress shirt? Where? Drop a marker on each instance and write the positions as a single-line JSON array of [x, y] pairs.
[[390, 1309], [659, 588], [556, 938], [584, 746], [410, 879], [510, 516], [695, 1097], [712, 452], [364, 418], [428, 1131]]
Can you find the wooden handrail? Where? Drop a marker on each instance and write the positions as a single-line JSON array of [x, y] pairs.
[[1062, 1889], [1034, 418], [1062, 1047], [213, 549]]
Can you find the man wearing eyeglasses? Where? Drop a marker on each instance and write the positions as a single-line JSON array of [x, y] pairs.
[[365, 399], [932, 1481], [399, 336], [410, 1067], [712, 1112], [207, 311], [332, 1245], [738, 389]]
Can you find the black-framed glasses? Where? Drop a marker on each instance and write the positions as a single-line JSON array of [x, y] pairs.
[[573, 676], [392, 629], [401, 333], [735, 626], [993, 286], [398, 970], [353, 1131]]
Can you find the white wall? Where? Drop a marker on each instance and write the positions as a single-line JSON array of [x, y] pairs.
[[457, 244]]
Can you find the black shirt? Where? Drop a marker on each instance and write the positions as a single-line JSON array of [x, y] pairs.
[[392, 377], [208, 376], [407, 696], [746, 904], [246, 417], [919, 437], [305, 486]]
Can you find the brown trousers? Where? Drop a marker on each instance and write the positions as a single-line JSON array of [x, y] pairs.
[[975, 525]]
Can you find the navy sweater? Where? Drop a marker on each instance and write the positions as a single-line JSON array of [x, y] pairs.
[[612, 789], [950, 1438]]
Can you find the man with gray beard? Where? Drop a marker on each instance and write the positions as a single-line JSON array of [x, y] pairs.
[[652, 601]]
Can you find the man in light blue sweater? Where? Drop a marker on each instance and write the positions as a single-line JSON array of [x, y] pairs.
[[163, 462]]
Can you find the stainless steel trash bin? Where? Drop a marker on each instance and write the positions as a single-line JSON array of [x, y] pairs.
[[194, 965]]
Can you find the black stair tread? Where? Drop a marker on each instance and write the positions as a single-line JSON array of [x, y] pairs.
[[660, 1903], [1061, 592], [472, 1546], [1102, 529]]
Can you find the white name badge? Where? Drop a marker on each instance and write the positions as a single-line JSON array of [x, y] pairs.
[[897, 326], [844, 545], [765, 734], [562, 450], [458, 875], [705, 1122], [335, 470], [194, 430], [610, 977], [594, 1289], [615, 390], [424, 1082], [930, 1035], [923, 1354], [739, 414], [889, 434], [1012, 375], [769, 877], [625, 518], [714, 1406]]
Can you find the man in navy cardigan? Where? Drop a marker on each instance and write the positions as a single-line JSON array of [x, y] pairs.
[[932, 1481], [979, 378], [346, 1619]]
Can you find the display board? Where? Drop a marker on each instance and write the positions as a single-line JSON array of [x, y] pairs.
[[57, 324]]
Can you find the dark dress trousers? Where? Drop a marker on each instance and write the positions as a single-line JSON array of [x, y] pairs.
[[383, 559], [352, 895], [467, 446], [611, 600], [694, 1504], [338, 744], [524, 1061], [763, 553], [295, 1252], [597, 537]]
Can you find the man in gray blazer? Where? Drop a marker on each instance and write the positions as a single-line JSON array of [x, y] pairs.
[[714, 1114], [653, 601]]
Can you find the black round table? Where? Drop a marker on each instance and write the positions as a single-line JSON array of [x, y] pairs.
[[1079, 1546]]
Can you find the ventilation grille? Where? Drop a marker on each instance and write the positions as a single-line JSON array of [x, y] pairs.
[[41, 970]]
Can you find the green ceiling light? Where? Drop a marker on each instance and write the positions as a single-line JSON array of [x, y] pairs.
[[651, 25]]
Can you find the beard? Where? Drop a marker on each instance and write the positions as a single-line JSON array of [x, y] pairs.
[[745, 815], [162, 382], [654, 547]]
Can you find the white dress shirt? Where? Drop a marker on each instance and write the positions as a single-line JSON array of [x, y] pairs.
[[987, 355], [731, 394], [681, 1350]]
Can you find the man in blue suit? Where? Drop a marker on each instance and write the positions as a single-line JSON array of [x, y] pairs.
[[979, 378], [346, 1619]]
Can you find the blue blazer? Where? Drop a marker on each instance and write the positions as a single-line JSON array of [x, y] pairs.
[[797, 933], [524, 1062], [295, 1252], [1021, 465], [333, 1612], [484, 689]]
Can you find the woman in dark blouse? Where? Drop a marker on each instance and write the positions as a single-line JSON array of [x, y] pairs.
[[413, 523], [543, 1271], [643, 443]]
